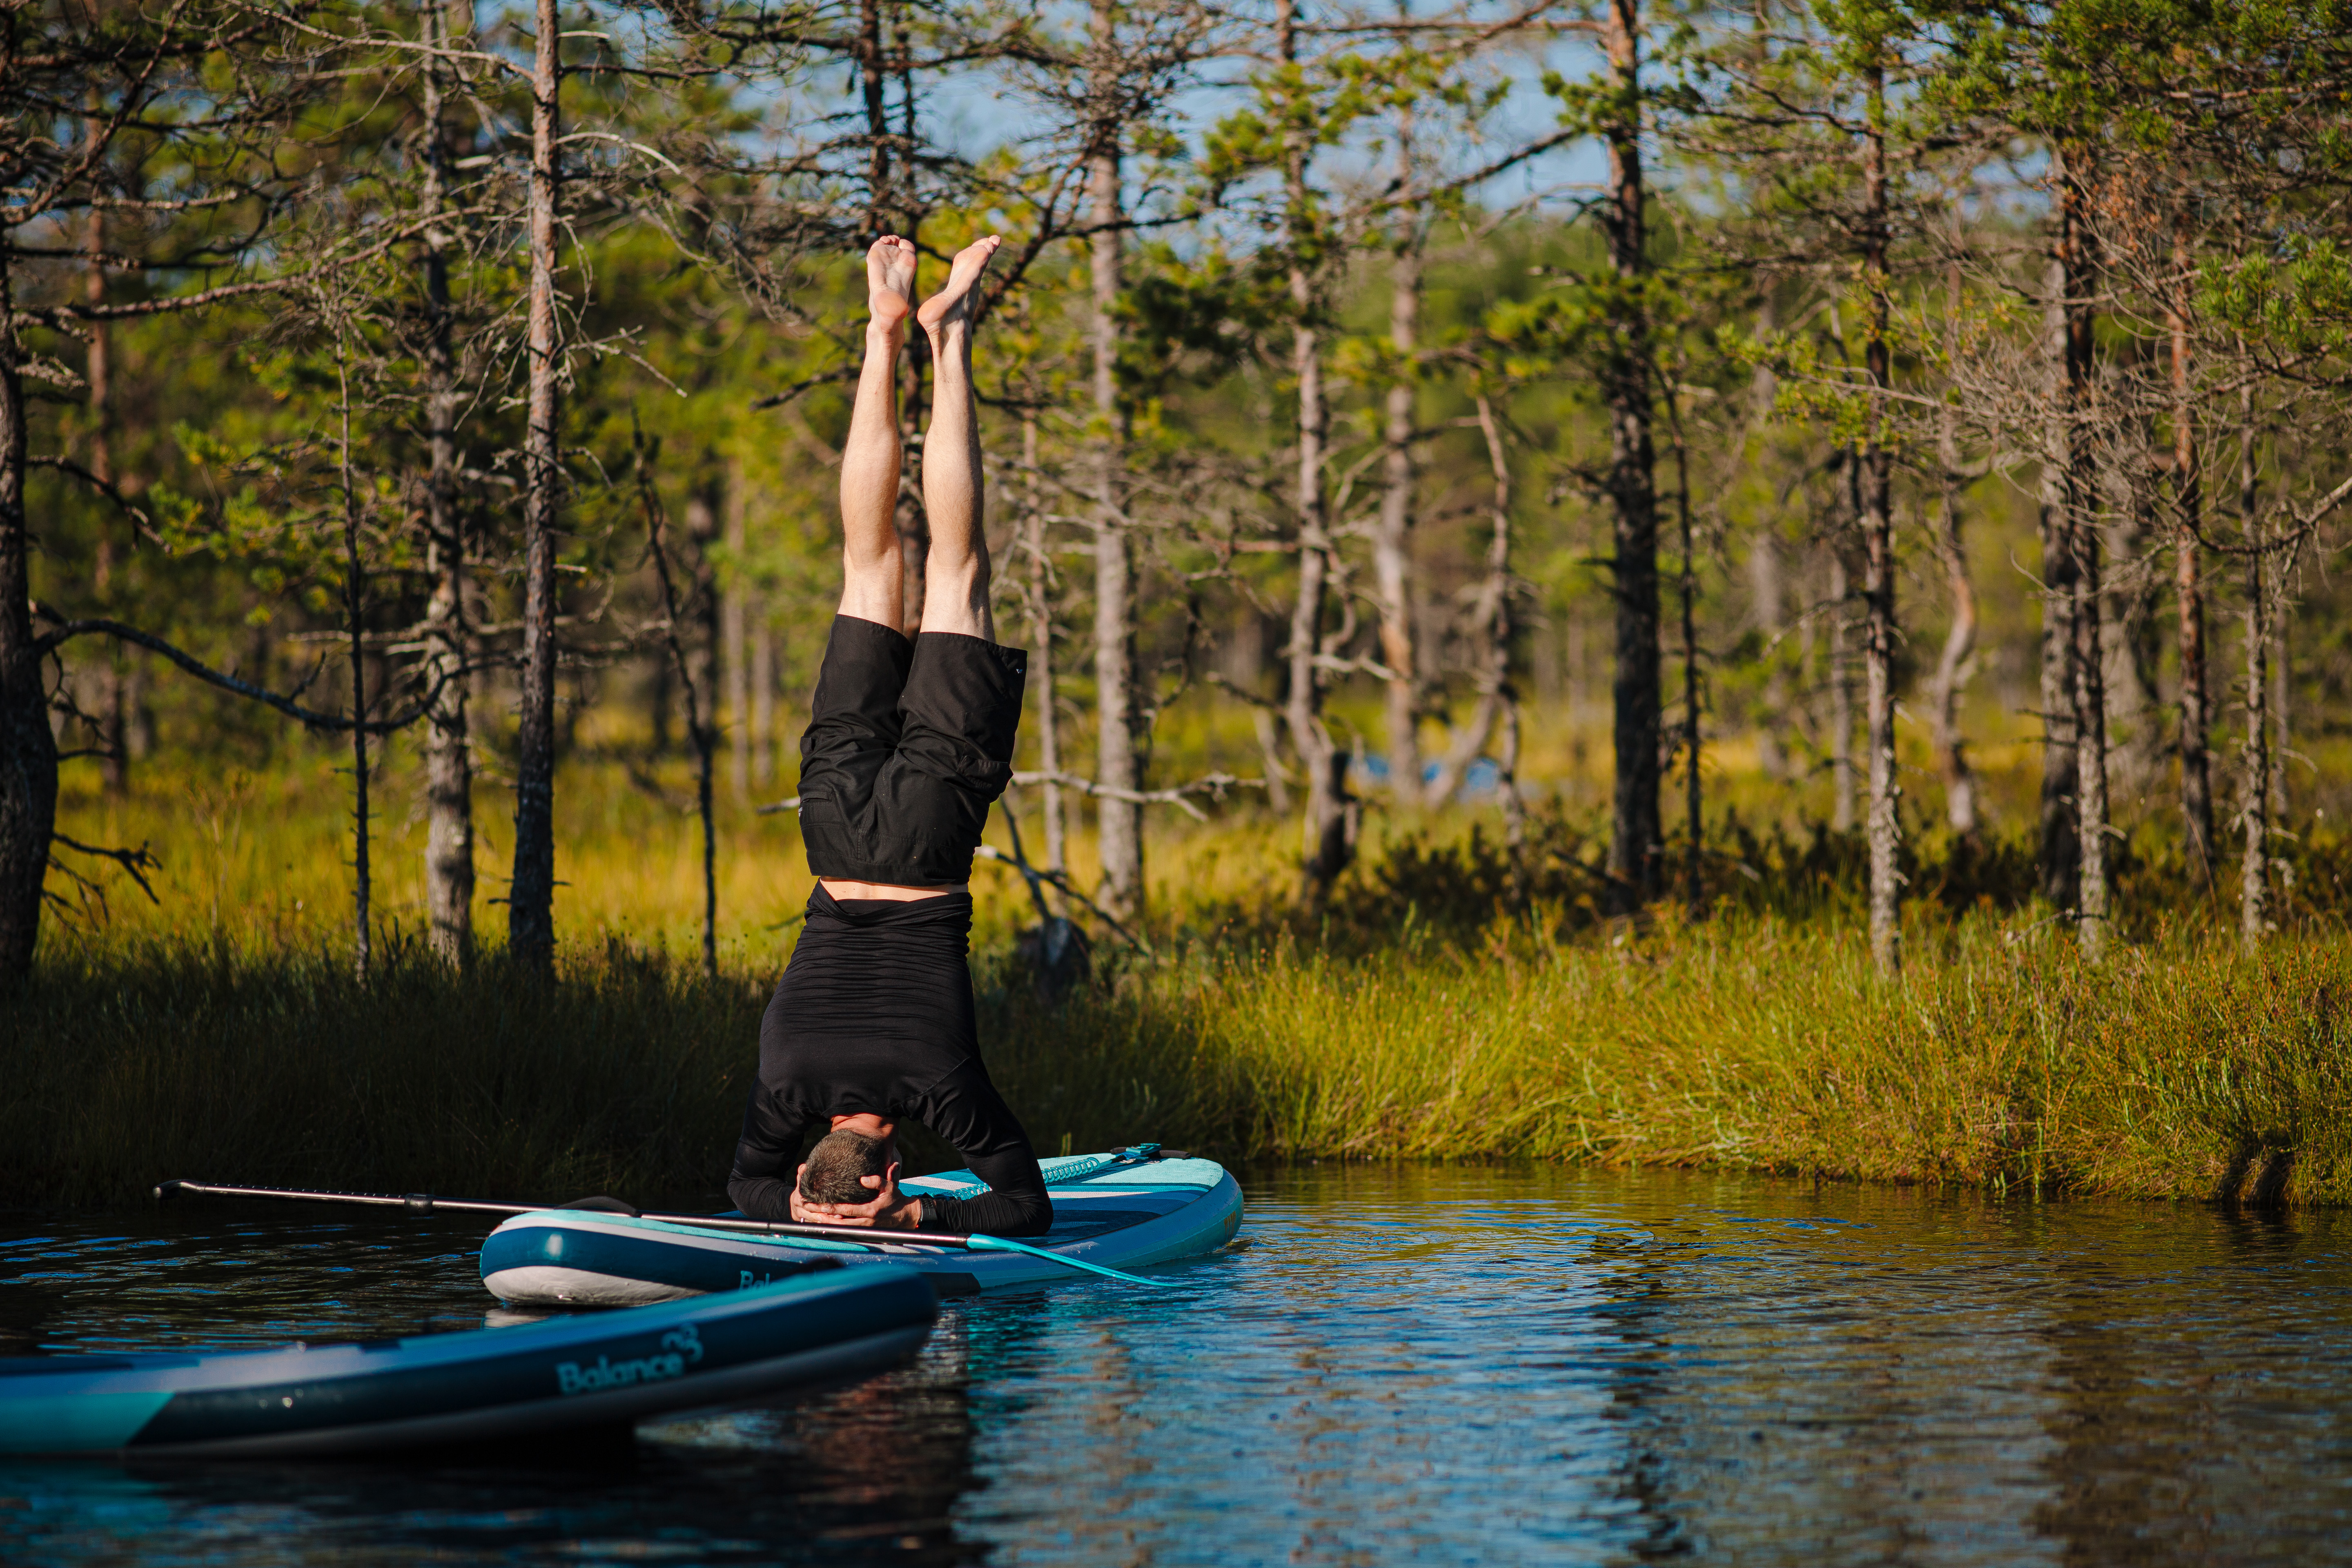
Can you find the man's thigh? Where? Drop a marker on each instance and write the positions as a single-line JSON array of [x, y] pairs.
[[855, 723], [961, 710]]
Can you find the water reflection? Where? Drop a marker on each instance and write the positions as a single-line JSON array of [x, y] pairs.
[[1940, 1381], [1405, 1366], [2198, 1407], [839, 1479]]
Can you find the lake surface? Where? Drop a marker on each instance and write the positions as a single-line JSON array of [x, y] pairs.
[[1402, 1365]]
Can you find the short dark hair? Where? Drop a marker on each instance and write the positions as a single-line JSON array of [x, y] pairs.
[[836, 1165]]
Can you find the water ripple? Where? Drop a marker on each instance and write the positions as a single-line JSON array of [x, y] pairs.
[[1427, 1366]]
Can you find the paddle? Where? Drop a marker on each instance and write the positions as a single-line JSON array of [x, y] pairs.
[[426, 1202]]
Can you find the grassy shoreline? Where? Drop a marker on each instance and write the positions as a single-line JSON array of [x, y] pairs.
[[2180, 1070], [217, 1032]]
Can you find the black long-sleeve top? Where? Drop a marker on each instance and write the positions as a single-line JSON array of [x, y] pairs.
[[874, 1015]]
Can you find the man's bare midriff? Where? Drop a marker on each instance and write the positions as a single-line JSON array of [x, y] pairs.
[[842, 889]]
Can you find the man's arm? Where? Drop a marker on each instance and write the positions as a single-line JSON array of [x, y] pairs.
[[766, 1158], [1015, 1204], [966, 1110]]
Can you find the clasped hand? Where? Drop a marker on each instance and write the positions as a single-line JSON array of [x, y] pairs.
[[889, 1209]]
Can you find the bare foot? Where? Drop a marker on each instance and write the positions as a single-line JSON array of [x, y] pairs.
[[890, 279], [962, 273]]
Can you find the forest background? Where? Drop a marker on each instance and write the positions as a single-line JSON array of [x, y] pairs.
[[1746, 586]]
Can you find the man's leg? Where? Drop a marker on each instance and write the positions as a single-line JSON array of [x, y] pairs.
[[955, 597], [871, 579]]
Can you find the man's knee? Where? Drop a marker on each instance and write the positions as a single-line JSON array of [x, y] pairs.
[[955, 595], [872, 586]]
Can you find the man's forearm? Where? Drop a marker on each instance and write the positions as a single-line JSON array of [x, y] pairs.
[[1013, 1214], [763, 1198]]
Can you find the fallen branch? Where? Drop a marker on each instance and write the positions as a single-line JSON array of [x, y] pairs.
[[1214, 786], [1359, 666], [778, 399], [49, 642], [137, 862], [1061, 880], [1233, 688]]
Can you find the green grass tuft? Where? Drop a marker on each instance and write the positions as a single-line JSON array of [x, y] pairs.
[[157, 1061], [2188, 1072]]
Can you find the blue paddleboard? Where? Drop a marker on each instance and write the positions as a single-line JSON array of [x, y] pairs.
[[586, 1370], [1115, 1210]]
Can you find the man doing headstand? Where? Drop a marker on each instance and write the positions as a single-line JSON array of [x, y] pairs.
[[908, 745]]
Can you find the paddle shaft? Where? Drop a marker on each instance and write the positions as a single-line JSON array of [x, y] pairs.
[[426, 1202]]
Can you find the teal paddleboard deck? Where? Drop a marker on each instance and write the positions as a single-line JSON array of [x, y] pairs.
[[1116, 1212], [815, 1327]]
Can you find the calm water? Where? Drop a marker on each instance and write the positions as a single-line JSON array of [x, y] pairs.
[[1402, 1366]]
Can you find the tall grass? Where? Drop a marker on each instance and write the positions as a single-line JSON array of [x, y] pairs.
[[1422, 1012], [2182, 1070], [152, 1060]]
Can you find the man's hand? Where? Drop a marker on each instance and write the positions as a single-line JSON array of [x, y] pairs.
[[889, 1209]]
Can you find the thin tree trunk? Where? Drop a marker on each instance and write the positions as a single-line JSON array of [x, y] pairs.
[[1393, 545], [1515, 808], [448, 753], [735, 654], [2254, 872], [2060, 841], [1329, 846], [763, 700], [1330, 812], [2195, 723], [881, 214], [1842, 770], [1764, 568], [2132, 650], [893, 209], [114, 761], [1490, 620], [1041, 662], [1635, 847], [658, 716], [1694, 819], [28, 750], [1883, 827], [2091, 744], [701, 732], [705, 743], [2090, 665], [2280, 616], [1957, 664], [1121, 734], [1269, 747], [354, 604], [530, 899], [1579, 670], [705, 507]]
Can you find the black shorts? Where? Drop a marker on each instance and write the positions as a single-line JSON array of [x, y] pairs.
[[908, 746]]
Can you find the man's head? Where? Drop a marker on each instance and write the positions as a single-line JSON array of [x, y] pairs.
[[836, 1167]]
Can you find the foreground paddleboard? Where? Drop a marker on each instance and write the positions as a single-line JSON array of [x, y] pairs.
[[1124, 1214], [816, 1327]]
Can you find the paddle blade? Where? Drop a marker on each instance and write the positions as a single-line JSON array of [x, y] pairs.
[[998, 1243]]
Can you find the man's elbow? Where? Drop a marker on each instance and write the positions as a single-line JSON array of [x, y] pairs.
[[1035, 1218], [760, 1197]]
